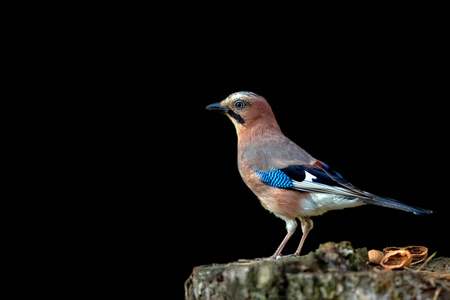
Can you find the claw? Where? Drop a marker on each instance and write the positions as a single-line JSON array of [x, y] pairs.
[[291, 255], [265, 258]]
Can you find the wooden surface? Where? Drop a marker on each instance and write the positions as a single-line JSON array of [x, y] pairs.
[[334, 271]]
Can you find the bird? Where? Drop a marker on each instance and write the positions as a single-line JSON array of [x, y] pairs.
[[287, 180]]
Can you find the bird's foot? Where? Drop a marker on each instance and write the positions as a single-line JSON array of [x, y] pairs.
[[290, 255], [285, 256], [273, 257], [266, 258]]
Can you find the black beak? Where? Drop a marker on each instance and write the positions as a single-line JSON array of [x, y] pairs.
[[217, 107]]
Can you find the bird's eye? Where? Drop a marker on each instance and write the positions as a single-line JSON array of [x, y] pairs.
[[239, 105]]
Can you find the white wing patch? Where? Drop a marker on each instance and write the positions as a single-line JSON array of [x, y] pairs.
[[309, 177], [310, 186]]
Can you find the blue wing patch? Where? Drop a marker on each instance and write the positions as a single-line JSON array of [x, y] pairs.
[[275, 178]]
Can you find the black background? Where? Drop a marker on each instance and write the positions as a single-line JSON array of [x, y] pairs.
[[145, 181]]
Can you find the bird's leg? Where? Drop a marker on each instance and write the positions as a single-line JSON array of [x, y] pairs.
[[307, 225], [291, 225]]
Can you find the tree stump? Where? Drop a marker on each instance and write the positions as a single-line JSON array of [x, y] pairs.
[[333, 271]]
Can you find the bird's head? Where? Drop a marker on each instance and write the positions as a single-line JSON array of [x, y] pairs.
[[245, 109]]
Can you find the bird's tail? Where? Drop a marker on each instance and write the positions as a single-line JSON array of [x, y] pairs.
[[391, 203]]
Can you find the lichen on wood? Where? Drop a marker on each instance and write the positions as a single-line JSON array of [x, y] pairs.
[[333, 271]]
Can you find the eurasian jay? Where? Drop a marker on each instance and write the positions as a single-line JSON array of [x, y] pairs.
[[287, 180]]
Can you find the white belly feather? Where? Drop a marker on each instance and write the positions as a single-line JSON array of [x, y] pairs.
[[319, 203]]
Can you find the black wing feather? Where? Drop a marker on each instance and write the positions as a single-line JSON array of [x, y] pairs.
[[329, 181], [325, 177]]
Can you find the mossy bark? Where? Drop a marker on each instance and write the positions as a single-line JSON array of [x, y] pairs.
[[334, 271]]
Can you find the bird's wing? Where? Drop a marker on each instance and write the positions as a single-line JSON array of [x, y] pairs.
[[320, 178], [317, 177]]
